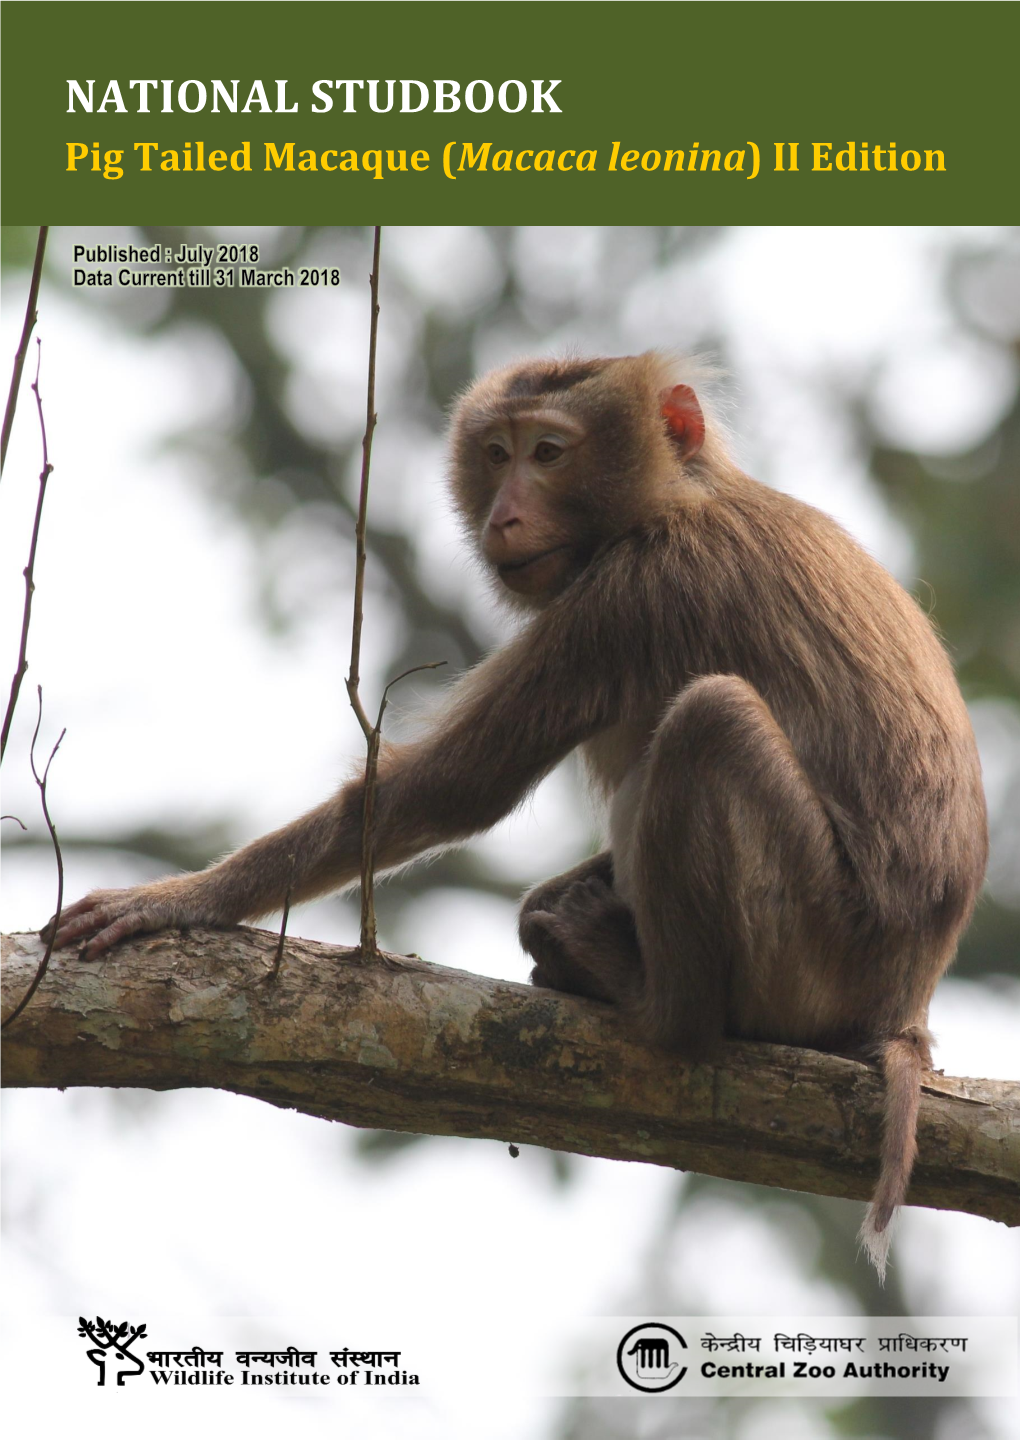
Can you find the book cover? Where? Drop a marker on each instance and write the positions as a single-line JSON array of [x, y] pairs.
[[265, 1178]]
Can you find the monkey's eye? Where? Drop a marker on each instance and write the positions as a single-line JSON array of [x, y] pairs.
[[547, 451], [497, 454]]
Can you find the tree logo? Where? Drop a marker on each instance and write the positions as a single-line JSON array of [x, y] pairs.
[[112, 1342], [644, 1361]]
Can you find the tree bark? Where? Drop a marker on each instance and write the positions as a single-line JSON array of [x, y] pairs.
[[402, 1045]]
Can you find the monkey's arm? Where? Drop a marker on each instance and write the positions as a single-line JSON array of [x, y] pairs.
[[505, 725]]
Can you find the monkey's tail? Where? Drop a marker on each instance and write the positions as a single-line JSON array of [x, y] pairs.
[[904, 1058]]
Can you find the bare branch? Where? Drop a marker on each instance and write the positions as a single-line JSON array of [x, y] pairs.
[[278, 955], [369, 942], [411, 670], [41, 782], [373, 734], [29, 573], [369, 937], [366, 464], [31, 316], [409, 1047]]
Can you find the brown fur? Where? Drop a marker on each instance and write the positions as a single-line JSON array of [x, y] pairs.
[[796, 824]]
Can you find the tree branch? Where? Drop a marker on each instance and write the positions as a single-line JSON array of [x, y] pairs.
[[29, 571], [31, 316], [399, 1044]]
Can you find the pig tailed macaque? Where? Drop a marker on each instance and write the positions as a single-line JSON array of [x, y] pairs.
[[795, 826]]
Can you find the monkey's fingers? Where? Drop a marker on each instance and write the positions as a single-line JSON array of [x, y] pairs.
[[128, 925], [109, 928], [106, 916], [532, 926], [68, 914], [544, 977], [71, 931]]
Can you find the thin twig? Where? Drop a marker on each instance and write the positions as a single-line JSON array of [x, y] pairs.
[[41, 781], [31, 316], [369, 935], [366, 462], [369, 945], [373, 734], [274, 970], [29, 572], [369, 940]]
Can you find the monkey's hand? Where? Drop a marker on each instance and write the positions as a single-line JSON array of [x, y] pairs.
[[107, 917]]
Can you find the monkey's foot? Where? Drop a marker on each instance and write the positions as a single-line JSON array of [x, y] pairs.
[[585, 944]]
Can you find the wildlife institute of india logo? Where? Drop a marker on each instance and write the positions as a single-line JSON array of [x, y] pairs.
[[111, 1348], [114, 1349]]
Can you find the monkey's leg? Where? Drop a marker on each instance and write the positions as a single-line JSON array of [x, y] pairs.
[[565, 921], [741, 900]]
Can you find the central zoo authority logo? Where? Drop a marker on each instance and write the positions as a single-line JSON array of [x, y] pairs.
[[646, 1357]]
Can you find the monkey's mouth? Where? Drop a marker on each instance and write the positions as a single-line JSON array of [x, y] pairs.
[[521, 575]]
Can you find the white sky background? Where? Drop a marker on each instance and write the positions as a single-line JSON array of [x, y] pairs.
[[178, 704]]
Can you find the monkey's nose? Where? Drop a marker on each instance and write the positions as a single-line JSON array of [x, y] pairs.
[[501, 524]]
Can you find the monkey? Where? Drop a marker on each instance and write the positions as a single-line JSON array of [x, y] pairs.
[[795, 822]]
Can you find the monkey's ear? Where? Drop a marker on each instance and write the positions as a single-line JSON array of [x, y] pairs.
[[682, 414]]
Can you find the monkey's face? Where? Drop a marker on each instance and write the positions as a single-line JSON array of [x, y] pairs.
[[552, 460], [532, 534]]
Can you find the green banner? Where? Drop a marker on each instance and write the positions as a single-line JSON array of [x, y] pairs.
[[491, 113]]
